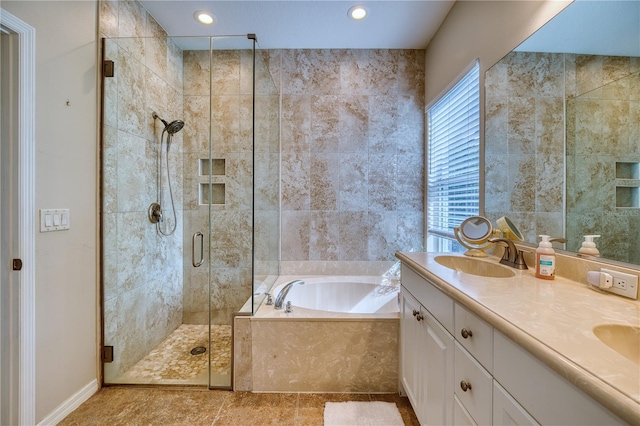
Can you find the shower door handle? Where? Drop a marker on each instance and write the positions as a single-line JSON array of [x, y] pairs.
[[193, 249]]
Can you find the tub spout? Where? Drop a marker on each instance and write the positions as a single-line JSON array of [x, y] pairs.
[[283, 293]]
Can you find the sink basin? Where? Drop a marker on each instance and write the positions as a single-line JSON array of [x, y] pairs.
[[470, 265], [624, 339]]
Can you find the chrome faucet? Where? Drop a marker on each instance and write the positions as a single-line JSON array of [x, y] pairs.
[[511, 256], [284, 291]]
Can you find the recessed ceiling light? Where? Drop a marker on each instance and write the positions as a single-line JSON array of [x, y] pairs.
[[203, 17], [357, 12]]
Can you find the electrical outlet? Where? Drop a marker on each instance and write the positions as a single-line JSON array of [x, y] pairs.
[[620, 283], [623, 284]]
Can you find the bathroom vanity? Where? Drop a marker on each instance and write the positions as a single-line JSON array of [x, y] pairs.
[[495, 345]]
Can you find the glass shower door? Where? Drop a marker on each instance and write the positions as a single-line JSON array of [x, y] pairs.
[[142, 165]]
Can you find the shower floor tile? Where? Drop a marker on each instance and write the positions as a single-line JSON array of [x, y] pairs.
[[171, 362]]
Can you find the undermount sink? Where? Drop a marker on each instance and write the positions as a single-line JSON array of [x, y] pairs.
[[624, 339], [473, 266]]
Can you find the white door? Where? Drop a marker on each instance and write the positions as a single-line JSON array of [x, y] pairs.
[[9, 288], [17, 219]]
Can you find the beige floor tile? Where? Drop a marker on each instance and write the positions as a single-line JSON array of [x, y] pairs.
[[404, 407], [172, 406]]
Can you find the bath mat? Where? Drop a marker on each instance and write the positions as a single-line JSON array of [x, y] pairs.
[[360, 413]]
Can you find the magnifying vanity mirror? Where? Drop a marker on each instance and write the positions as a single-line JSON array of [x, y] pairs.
[[562, 130], [473, 234]]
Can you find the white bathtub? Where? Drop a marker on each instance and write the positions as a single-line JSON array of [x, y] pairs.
[[341, 294]]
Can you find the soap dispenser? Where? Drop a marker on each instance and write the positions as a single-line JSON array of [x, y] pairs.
[[588, 248], [545, 259]]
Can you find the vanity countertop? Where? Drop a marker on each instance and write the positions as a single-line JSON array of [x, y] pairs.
[[553, 320]]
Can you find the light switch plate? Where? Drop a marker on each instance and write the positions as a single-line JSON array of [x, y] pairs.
[[54, 220]]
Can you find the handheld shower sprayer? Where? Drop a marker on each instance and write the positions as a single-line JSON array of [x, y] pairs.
[[155, 210]]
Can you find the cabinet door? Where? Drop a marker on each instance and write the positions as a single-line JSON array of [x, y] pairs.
[[507, 411], [426, 363], [409, 335], [436, 372]]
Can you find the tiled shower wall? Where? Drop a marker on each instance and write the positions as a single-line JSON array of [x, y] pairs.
[[525, 146], [142, 270], [352, 157], [232, 147], [603, 157]]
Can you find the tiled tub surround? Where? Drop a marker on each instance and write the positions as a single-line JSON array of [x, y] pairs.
[[525, 146], [352, 152], [553, 321], [319, 351]]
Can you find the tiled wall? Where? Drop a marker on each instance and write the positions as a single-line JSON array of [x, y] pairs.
[[525, 146], [603, 130], [142, 269], [352, 156], [232, 146], [524, 142]]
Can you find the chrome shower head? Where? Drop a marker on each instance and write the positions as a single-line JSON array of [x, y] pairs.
[[172, 128]]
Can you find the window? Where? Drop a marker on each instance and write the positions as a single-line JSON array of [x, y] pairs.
[[453, 161]]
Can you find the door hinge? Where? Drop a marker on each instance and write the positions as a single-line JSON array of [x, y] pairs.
[[107, 354], [108, 68], [17, 264]]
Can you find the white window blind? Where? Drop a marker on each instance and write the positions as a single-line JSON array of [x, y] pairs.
[[453, 156]]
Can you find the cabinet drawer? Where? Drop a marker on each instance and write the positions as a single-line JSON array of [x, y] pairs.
[[436, 302], [479, 336], [478, 398]]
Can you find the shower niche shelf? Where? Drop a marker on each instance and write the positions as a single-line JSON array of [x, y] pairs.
[[217, 167], [213, 193], [627, 184]]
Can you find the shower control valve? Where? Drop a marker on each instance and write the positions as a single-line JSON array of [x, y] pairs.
[[155, 213]]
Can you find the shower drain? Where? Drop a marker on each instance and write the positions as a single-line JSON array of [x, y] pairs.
[[198, 350]]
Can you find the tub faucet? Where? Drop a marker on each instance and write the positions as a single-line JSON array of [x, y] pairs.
[[284, 291]]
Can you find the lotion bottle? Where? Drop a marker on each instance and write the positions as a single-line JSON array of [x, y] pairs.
[[545, 259], [588, 248]]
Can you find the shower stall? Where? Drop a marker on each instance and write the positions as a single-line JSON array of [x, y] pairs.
[[190, 203]]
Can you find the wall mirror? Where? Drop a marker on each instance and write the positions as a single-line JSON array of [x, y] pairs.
[[562, 130]]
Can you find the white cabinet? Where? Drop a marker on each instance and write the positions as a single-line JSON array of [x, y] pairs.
[[445, 348], [426, 357]]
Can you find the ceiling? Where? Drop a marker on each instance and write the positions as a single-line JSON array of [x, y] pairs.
[[307, 24]]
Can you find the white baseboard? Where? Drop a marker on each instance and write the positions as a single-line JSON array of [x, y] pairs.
[[73, 402]]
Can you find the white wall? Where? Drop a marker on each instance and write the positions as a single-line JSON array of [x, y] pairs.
[[481, 29], [66, 175]]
